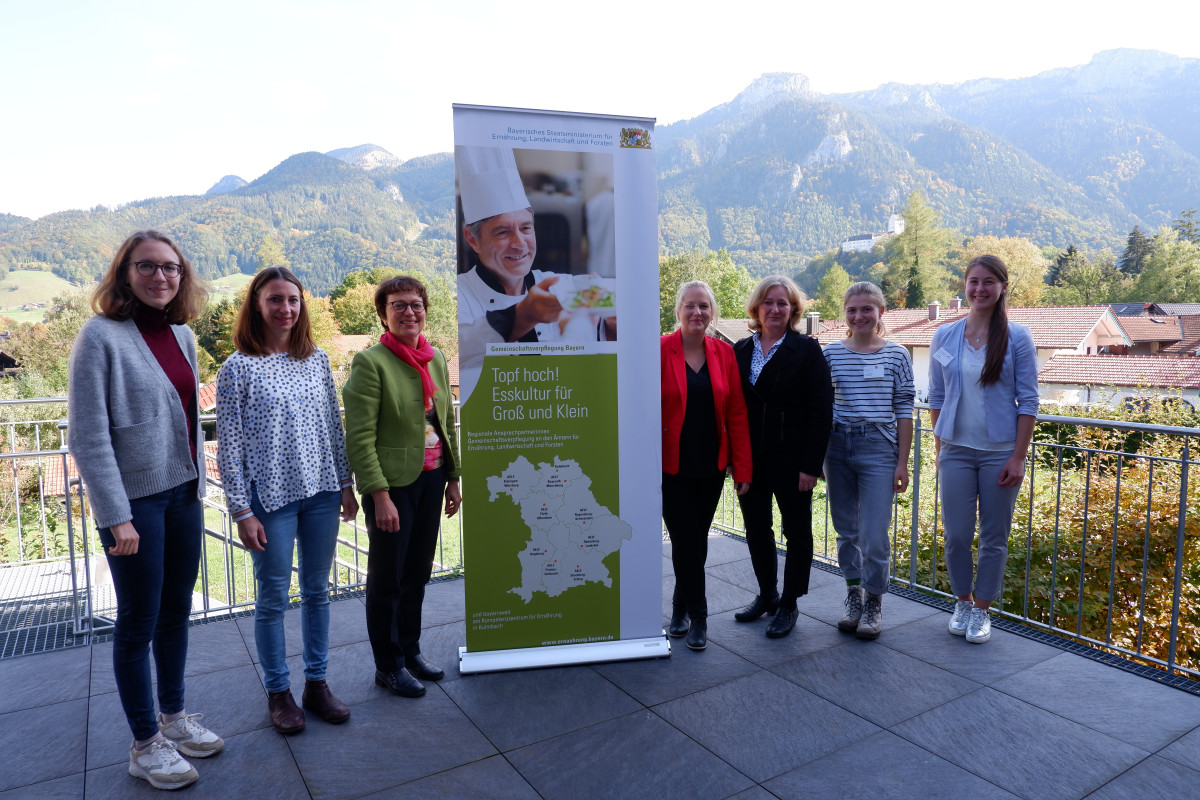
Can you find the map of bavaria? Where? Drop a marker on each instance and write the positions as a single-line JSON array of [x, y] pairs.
[[570, 533]]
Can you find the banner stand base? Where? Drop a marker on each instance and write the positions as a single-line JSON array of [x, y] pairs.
[[562, 655]]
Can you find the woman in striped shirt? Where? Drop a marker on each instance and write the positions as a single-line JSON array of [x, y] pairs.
[[867, 459]]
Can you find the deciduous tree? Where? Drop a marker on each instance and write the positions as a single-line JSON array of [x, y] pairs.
[[730, 283], [355, 311], [1172, 270], [324, 326], [1187, 226], [270, 253], [44, 348], [1081, 281], [832, 292], [1026, 265]]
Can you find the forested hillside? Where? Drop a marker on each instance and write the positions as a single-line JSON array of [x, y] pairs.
[[775, 177], [1074, 156], [329, 217]]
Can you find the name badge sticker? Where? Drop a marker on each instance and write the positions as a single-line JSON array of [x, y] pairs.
[[874, 371], [943, 356]]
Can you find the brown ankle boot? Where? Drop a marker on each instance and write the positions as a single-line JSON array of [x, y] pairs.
[[286, 716], [319, 700]]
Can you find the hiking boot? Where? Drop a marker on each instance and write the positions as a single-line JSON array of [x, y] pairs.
[[852, 609], [871, 623]]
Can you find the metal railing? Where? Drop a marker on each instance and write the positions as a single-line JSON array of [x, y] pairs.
[[54, 586], [1105, 546]]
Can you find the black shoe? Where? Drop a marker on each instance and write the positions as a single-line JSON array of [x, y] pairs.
[[756, 609], [680, 624], [423, 668], [697, 635], [400, 682], [782, 624]]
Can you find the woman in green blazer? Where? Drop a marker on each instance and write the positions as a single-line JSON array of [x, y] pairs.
[[403, 448]]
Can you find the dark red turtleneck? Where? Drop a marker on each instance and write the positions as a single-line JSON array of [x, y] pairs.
[[152, 323]]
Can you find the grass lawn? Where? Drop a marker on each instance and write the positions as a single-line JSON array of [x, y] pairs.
[[231, 284], [29, 286]]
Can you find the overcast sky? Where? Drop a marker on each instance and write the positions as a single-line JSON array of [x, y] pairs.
[[118, 101]]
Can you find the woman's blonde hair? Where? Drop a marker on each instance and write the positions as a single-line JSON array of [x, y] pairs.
[[872, 292], [795, 298], [683, 289], [114, 299]]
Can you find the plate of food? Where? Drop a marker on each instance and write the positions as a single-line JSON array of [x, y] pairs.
[[587, 294]]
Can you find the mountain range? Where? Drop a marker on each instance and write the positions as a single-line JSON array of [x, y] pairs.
[[781, 173]]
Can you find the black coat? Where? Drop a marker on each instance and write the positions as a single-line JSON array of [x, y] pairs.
[[791, 407]]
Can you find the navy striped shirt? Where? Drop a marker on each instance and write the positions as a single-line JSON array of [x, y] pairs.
[[871, 387]]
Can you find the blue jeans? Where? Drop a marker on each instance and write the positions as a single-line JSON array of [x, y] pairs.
[[154, 600], [971, 493], [860, 466], [310, 527]]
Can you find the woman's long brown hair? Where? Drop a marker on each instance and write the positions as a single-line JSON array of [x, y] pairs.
[[998, 325]]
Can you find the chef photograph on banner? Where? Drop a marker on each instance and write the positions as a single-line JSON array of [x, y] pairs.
[[537, 251]]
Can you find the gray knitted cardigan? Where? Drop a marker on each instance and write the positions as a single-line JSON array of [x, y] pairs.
[[127, 429]]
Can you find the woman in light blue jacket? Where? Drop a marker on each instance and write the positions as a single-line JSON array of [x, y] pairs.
[[983, 397]]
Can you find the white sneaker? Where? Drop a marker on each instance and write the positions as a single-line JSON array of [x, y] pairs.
[[190, 737], [162, 765], [979, 627], [958, 620]]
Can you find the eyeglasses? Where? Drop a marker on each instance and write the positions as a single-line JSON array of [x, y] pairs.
[[399, 306], [148, 268]]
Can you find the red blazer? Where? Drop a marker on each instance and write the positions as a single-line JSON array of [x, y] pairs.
[[733, 431]]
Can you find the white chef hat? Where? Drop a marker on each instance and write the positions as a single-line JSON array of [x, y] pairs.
[[488, 182]]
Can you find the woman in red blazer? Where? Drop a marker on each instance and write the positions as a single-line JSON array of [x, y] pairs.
[[704, 432]]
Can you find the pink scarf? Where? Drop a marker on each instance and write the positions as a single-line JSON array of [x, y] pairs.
[[416, 357]]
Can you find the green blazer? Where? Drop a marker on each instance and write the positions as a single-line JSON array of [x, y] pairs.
[[385, 419]]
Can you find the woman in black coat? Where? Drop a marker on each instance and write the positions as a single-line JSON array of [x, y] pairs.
[[789, 402]]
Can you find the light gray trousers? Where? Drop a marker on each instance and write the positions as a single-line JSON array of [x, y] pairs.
[[970, 493]]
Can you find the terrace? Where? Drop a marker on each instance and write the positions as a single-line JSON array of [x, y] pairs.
[[1057, 705]]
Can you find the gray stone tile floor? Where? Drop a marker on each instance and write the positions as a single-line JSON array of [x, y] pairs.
[[819, 714]]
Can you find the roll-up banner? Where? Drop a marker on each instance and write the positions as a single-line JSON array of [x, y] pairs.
[[558, 352]]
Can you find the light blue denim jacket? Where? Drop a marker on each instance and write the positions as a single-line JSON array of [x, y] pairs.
[[1015, 393]]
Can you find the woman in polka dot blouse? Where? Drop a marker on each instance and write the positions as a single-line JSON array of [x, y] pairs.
[[283, 462]]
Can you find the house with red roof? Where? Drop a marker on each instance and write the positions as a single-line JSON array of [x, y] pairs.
[[1147, 334], [1073, 379], [1057, 330], [345, 345], [1189, 342], [207, 398]]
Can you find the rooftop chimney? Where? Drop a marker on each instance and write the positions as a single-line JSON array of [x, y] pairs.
[[812, 322], [933, 310], [956, 304]]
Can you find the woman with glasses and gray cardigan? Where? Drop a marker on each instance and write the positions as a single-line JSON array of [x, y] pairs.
[[134, 430]]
